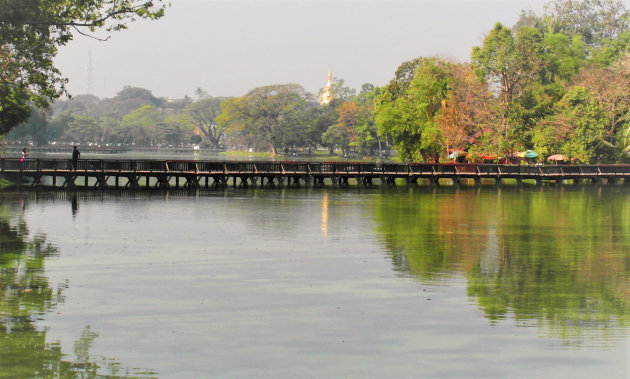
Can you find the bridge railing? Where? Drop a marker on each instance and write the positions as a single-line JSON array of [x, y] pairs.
[[530, 170], [614, 169], [181, 166], [269, 167], [420, 168], [576, 170], [551, 170], [322, 167], [211, 167], [445, 168], [590, 169], [123, 165], [488, 169], [347, 167], [149, 165], [239, 167], [509, 169], [54, 164], [395, 169], [305, 168], [294, 167], [465, 168]]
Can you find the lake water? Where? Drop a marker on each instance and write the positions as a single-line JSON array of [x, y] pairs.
[[318, 283]]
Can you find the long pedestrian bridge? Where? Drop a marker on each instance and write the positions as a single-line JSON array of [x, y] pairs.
[[163, 174]]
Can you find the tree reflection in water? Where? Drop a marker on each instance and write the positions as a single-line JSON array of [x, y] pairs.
[[557, 258], [26, 297]]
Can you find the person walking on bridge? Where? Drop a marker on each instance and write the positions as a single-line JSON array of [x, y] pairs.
[[75, 157]]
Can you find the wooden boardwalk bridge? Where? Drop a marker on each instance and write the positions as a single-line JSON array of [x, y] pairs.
[[137, 174]]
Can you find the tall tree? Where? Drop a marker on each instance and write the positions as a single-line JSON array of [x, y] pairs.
[[344, 132], [576, 128], [465, 111], [611, 88], [264, 110], [31, 32], [595, 21], [204, 113], [408, 107], [144, 126], [508, 63]]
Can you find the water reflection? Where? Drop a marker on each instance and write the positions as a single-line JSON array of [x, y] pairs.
[[560, 261], [75, 205], [26, 297]]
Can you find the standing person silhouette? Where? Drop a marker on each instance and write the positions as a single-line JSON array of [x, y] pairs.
[[75, 157], [24, 154]]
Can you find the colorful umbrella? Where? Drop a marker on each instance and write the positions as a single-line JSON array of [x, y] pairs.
[[557, 157], [530, 154]]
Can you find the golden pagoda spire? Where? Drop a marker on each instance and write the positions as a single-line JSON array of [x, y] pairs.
[[327, 94]]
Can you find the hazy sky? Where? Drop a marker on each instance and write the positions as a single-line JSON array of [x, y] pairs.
[[230, 47]]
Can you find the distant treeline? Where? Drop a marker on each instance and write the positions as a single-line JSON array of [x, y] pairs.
[[554, 83]]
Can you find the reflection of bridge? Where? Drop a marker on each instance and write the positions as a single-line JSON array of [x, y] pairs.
[[134, 174]]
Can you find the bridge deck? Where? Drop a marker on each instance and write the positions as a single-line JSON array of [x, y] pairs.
[[160, 173]]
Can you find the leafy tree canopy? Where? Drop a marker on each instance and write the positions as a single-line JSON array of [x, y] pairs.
[[31, 31]]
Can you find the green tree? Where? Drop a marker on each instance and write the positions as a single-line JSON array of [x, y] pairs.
[[204, 113], [595, 21], [34, 129], [178, 129], [367, 133], [576, 128], [31, 31], [143, 127], [262, 113], [83, 129], [408, 106], [508, 63]]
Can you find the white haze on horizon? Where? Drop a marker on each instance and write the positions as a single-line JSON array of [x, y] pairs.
[[230, 47]]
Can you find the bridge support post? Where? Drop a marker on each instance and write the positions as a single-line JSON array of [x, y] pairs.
[[133, 182], [244, 183], [411, 181], [477, 181], [101, 181], [455, 179], [70, 181]]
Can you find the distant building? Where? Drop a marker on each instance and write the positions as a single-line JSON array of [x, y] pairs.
[[327, 94]]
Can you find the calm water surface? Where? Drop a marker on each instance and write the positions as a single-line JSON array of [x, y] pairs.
[[326, 283]]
